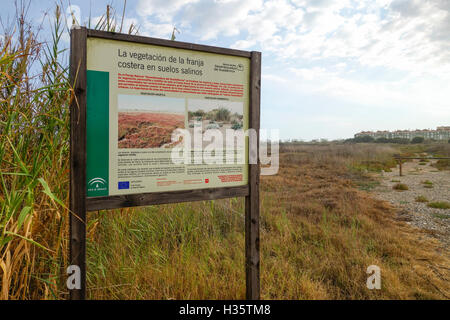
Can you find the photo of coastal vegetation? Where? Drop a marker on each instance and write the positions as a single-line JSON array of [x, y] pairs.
[[215, 114], [148, 122]]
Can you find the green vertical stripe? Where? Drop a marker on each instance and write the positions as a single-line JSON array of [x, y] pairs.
[[97, 133]]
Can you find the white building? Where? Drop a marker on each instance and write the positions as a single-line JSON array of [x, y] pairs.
[[441, 133]]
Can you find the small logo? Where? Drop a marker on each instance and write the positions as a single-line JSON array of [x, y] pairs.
[[206, 180], [97, 184], [124, 185], [240, 67]]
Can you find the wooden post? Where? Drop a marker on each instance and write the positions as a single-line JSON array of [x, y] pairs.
[[400, 169], [77, 205], [252, 200]]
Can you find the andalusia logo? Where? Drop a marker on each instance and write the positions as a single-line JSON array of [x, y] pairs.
[[97, 184]]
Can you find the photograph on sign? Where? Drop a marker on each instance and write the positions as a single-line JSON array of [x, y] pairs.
[[215, 115], [144, 101], [147, 122]]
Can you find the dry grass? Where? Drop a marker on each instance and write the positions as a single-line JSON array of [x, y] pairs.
[[318, 236], [343, 231]]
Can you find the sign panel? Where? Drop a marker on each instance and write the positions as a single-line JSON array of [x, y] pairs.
[[132, 94], [140, 95]]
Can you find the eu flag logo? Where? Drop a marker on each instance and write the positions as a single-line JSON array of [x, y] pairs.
[[124, 185]]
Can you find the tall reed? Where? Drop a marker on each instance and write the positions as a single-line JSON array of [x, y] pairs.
[[34, 151]]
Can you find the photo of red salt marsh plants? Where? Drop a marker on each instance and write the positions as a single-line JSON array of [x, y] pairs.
[[148, 122]]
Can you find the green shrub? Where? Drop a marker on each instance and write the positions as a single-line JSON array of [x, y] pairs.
[[421, 199], [439, 205], [416, 140], [400, 187], [363, 139], [441, 216], [442, 164]]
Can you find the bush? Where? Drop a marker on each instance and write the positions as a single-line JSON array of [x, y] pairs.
[[418, 140], [400, 187], [393, 140], [400, 140], [442, 164], [236, 126], [439, 205], [223, 114], [364, 139], [421, 199], [382, 140]]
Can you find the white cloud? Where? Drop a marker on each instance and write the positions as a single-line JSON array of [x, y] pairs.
[[334, 46], [243, 44], [158, 30], [400, 34], [220, 17], [274, 78], [413, 94], [164, 10]]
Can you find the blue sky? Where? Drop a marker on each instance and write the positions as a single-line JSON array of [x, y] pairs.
[[330, 68]]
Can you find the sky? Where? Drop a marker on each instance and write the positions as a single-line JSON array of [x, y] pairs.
[[329, 69], [149, 103], [209, 105]]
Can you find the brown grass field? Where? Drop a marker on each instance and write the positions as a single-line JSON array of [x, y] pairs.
[[143, 130], [319, 233]]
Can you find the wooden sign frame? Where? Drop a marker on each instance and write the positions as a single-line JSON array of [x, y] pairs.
[[79, 204]]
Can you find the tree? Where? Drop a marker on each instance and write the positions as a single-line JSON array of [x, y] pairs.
[[199, 113], [364, 139], [382, 140], [223, 114], [418, 140]]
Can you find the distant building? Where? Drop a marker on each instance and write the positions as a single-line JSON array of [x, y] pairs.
[[441, 133]]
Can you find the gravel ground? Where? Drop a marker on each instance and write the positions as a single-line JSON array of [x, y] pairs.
[[436, 221]]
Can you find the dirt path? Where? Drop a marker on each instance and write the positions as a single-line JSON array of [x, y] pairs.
[[418, 214]]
